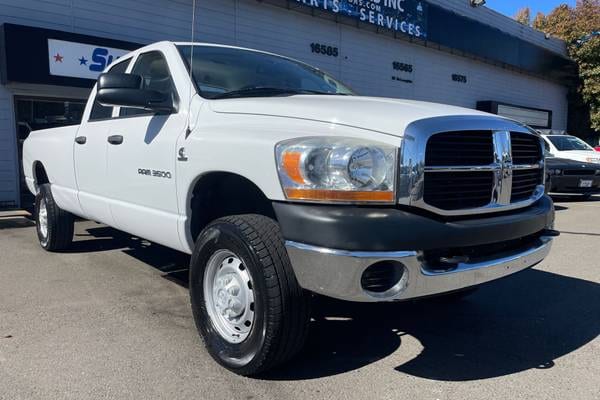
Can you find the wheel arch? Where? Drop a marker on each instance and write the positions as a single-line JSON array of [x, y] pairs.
[[217, 194], [40, 176]]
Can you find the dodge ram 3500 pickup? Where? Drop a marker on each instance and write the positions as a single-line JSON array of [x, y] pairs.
[[281, 183]]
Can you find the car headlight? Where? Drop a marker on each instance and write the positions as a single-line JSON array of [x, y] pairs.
[[333, 169], [593, 160]]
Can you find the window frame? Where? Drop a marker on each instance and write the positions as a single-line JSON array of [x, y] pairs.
[[117, 110]]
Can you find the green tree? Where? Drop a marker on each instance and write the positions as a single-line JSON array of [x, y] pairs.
[[560, 23], [588, 57], [539, 22], [524, 16]]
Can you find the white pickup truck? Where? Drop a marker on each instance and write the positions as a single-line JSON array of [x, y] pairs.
[[281, 183]]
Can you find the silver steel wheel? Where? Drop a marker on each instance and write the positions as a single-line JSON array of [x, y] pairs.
[[229, 296], [43, 219]]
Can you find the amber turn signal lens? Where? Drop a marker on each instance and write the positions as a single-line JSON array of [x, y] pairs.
[[291, 165], [340, 195]]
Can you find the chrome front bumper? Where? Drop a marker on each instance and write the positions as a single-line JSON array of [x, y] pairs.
[[337, 273]]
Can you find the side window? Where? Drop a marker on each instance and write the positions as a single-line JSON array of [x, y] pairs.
[[153, 69], [98, 110]]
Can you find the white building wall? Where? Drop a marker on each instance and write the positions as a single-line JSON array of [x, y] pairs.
[[365, 63], [369, 71], [365, 60]]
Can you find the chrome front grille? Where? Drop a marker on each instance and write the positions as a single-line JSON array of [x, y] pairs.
[[484, 170], [456, 148], [524, 183], [454, 191], [526, 148]]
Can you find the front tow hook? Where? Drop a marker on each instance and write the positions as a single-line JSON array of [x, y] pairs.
[[550, 233]]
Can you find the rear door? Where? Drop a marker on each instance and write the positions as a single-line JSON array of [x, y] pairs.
[[142, 158], [90, 157]]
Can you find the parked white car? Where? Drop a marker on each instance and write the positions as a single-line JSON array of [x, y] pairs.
[[280, 182], [570, 148]]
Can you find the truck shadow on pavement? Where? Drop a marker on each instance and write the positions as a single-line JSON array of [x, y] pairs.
[[526, 321], [173, 264], [15, 222], [522, 322]]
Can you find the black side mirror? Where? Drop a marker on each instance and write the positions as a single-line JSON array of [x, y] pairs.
[[126, 90]]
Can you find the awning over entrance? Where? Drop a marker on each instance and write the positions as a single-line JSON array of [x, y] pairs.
[[534, 117]]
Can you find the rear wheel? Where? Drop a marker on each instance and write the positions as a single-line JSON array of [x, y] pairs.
[[247, 304], [54, 225]]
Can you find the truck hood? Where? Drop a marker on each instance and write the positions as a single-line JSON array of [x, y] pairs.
[[390, 116]]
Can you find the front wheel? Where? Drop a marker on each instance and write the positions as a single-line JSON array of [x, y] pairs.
[[246, 301], [54, 225]]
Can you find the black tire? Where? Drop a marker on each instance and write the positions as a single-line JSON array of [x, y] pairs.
[[60, 223], [281, 307]]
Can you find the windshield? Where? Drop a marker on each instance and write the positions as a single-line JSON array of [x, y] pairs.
[[567, 143], [222, 72]]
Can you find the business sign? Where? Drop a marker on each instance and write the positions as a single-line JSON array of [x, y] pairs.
[[79, 60], [406, 16], [50, 57]]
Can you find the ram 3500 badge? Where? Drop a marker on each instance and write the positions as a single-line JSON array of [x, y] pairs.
[[291, 185]]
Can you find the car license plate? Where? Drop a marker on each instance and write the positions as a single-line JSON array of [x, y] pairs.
[[585, 183]]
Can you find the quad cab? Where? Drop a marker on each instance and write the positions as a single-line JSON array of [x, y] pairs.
[[281, 182]]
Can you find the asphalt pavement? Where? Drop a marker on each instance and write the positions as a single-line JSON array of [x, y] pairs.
[[111, 319]]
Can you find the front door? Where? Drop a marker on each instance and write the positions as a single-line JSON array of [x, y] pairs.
[[142, 158], [90, 158]]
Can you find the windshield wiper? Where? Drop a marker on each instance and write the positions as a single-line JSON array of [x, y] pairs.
[[263, 91]]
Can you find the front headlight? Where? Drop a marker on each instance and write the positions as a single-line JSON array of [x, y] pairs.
[[337, 170], [594, 160]]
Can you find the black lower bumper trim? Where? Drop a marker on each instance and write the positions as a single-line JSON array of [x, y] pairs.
[[382, 229], [571, 184]]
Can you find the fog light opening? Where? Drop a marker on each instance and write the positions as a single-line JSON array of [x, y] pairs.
[[384, 279]]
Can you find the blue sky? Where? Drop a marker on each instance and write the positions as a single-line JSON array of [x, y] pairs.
[[510, 7]]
